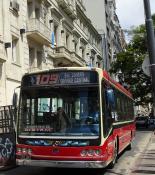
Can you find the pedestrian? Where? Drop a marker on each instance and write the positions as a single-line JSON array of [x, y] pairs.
[[93, 113]]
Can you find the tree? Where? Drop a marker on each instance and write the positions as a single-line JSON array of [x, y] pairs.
[[129, 63]]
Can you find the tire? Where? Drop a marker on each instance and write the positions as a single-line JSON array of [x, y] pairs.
[[129, 147], [114, 160]]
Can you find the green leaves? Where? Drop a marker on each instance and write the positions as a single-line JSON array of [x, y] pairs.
[[129, 62]]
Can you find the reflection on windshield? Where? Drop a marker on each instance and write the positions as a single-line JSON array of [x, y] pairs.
[[60, 111]]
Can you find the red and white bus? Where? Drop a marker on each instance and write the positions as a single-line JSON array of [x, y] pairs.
[[96, 125]]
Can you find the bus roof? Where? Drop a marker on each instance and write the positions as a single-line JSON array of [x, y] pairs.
[[59, 69], [116, 84]]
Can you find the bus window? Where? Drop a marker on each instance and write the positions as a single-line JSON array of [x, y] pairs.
[[108, 104], [54, 104], [118, 106], [110, 98], [60, 102], [43, 109], [77, 109], [43, 105], [77, 102]]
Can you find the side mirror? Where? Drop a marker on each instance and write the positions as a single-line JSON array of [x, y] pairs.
[[110, 97], [15, 97]]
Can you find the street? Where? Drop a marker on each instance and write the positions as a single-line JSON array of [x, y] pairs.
[[125, 164]]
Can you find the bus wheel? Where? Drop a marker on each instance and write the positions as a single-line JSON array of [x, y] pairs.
[[129, 147], [114, 160]]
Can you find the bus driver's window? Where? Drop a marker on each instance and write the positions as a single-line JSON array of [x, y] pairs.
[[108, 106]]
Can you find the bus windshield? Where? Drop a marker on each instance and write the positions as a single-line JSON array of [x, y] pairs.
[[59, 111]]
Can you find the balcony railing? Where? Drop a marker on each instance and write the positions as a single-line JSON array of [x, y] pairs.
[[68, 8], [63, 55], [38, 31], [63, 52], [78, 60]]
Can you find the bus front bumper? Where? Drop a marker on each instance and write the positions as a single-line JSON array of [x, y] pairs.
[[62, 164]]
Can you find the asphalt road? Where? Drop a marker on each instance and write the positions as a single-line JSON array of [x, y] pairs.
[[124, 165]]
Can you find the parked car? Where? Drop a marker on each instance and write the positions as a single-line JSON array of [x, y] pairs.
[[151, 120], [142, 122]]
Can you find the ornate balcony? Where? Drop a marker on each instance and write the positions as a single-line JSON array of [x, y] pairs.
[[63, 55], [51, 52], [68, 8], [38, 31], [78, 61]]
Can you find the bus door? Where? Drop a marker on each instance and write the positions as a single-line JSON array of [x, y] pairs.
[[7, 136]]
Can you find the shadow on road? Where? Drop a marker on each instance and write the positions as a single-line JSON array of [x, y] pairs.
[[144, 171], [75, 171], [151, 128]]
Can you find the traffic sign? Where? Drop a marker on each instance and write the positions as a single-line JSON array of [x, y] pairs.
[[146, 66]]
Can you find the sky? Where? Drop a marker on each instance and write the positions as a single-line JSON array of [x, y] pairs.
[[131, 12]]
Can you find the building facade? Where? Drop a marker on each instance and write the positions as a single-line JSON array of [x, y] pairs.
[[107, 23], [42, 34]]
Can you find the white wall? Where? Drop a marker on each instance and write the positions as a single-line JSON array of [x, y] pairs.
[[10, 88]]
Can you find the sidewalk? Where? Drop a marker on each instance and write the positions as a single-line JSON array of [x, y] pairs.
[[145, 164]]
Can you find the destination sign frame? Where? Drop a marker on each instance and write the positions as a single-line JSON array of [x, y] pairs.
[[61, 78]]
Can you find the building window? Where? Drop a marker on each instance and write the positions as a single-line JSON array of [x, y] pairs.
[[31, 57], [39, 59], [37, 13], [75, 47], [67, 41], [83, 53], [98, 63], [14, 5], [92, 61], [55, 34], [29, 9], [44, 11], [15, 49]]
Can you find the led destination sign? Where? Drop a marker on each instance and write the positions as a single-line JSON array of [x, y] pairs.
[[62, 78]]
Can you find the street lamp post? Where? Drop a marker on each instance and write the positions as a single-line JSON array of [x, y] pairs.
[[151, 44]]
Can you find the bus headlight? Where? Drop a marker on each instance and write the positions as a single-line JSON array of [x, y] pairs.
[[98, 152], [19, 150], [29, 151], [91, 152], [24, 150], [83, 153]]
